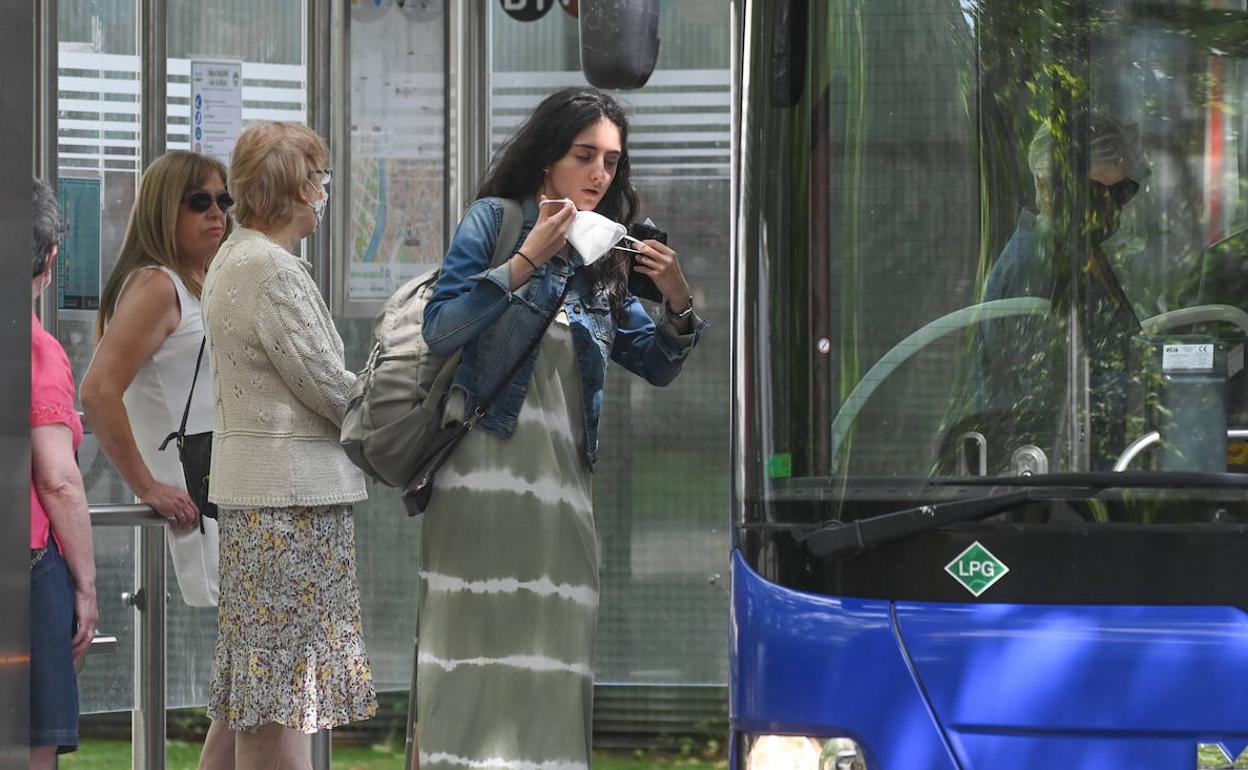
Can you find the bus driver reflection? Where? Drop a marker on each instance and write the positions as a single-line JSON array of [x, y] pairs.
[[1023, 360]]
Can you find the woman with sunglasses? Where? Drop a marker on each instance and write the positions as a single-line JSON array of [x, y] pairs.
[[150, 333], [290, 655]]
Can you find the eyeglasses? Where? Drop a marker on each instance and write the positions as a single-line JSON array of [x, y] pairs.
[[1120, 192], [201, 200]]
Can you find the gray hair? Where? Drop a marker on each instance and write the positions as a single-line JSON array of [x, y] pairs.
[[48, 225], [1112, 144]]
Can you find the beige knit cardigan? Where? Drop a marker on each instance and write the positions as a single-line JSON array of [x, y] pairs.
[[279, 382]]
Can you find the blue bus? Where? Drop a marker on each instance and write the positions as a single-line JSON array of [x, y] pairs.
[[990, 438]]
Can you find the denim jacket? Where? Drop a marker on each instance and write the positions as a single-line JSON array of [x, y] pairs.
[[474, 308]]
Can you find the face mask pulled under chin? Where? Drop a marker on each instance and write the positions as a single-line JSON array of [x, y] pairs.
[[592, 234]]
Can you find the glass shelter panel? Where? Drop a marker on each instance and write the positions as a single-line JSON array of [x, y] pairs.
[[660, 485], [397, 151], [271, 63], [995, 238], [98, 155]]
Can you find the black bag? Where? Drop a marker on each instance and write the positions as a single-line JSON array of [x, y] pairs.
[[419, 488], [195, 453]]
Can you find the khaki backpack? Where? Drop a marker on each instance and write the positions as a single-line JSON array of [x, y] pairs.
[[397, 403]]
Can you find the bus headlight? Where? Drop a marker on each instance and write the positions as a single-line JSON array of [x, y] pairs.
[[799, 752]]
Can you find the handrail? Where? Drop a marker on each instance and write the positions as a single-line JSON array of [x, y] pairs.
[[125, 515], [916, 341], [149, 600], [1148, 439]]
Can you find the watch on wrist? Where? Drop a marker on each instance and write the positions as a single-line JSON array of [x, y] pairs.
[[688, 311]]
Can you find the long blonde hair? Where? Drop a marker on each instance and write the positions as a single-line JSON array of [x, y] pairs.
[[151, 234]]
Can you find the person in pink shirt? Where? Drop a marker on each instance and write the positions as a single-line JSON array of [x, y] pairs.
[[63, 610]]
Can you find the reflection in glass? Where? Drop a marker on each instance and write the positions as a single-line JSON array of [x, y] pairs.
[[98, 134], [397, 151], [993, 235]]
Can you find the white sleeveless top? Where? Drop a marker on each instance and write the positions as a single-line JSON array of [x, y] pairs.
[[154, 403], [157, 395]]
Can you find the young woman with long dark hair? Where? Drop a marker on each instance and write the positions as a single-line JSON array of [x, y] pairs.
[[509, 602]]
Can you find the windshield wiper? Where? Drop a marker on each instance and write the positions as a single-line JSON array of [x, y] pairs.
[[846, 537], [842, 537], [1106, 480]]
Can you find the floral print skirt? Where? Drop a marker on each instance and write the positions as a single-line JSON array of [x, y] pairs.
[[289, 647]]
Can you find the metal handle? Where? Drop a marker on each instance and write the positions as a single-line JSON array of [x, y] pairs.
[[981, 444], [102, 643], [1148, 439]]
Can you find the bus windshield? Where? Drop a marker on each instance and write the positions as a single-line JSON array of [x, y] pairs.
[[1001, 239]]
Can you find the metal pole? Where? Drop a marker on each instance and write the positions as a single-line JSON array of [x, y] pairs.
[[479, 130], [468, 145], [318, 49], [17, 100], [45, 156], [153, 59], [317, 42], [340, 154], [148, 718], [45, 90], [148, 721], [322, 749]]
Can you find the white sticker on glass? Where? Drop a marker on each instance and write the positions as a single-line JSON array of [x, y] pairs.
[[1187, 358]]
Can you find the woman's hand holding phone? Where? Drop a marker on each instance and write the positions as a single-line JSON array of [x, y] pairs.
[[548, 235], [658, 261]]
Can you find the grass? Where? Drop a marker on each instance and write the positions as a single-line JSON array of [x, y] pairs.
[[115, 755]]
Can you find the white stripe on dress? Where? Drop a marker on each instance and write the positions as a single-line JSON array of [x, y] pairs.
[[544, 587], [499, 762], [539, 417], [539, 663], [548, 491]]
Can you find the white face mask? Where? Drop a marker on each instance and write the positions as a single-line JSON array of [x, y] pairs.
[[592, 234], [318, 205]]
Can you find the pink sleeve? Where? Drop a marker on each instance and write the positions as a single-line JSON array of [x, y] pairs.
[[52, 385]]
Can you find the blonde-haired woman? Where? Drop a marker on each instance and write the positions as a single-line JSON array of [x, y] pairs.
[[150, 332], [290, 658]]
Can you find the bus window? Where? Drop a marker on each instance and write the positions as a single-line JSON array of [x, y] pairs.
[[995, 240]]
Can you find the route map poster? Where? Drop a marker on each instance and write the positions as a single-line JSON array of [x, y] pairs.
[[397, 140]]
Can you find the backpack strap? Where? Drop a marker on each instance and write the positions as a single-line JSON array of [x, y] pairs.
[[508, 232]]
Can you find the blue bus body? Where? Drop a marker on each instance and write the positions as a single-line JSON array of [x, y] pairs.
[[985, 686], [990, 401]]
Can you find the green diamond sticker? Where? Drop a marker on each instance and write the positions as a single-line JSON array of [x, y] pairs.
[[976, 569], [780, 465]]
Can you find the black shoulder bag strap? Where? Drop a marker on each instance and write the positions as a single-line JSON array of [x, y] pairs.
[[420, 488], [180, 433]]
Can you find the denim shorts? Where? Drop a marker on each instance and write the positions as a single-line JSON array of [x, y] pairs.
[[53, 681]]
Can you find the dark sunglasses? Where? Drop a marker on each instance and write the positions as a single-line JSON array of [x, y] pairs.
[[201, 201], [1120, 193]]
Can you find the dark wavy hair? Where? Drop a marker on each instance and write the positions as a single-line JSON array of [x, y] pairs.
[[517, 170]]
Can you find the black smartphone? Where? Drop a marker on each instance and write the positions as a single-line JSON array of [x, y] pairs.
[[642, 285]]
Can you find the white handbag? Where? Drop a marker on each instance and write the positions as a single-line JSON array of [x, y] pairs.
[[195, 563]]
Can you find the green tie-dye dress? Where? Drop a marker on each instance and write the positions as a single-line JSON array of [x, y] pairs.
[[509, 600]]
